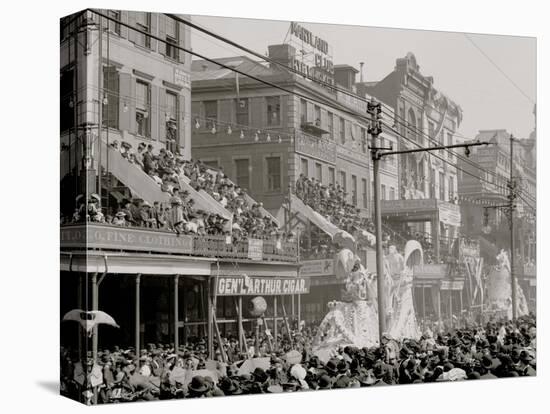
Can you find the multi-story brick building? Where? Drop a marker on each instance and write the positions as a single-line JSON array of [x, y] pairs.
[[427, 182], [319, 137], [119, 84]]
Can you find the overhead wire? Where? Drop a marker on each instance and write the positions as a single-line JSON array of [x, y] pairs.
[[187, 50]]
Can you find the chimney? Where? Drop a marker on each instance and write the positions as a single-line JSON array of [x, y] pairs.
[[361, 71], [283, 54]]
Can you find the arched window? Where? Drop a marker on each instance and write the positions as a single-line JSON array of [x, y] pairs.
[[412, 125]]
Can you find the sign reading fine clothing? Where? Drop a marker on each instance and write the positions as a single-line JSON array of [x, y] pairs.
[[100, 237], [255, 249], [249, 285]]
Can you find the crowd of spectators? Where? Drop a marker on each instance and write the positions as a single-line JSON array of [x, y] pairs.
[[496, 350], [180, 214], [330, 202]]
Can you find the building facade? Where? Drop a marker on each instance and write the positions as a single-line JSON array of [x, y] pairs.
[[423, 117], [119, 84], [264, 138], [159, 285]]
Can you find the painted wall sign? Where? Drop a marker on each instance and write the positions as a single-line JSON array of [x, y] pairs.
[[245, 285], [324, 267], [255, 249], [110, 237]]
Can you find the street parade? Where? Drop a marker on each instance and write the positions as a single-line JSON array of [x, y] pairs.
[[273, 222]]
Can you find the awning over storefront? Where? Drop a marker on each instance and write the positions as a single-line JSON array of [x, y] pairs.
[[422, 210], [308, 213], [134, 263]]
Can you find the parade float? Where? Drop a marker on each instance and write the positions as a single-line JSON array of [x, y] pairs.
[[499, 289], [354, 320]]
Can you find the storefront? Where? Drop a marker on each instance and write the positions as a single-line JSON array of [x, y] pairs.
[[164, 288], [236, 284]]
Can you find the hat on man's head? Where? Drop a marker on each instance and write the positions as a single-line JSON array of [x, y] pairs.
[[198, 384]]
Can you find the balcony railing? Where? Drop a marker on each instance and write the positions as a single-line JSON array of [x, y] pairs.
[[109, 237]]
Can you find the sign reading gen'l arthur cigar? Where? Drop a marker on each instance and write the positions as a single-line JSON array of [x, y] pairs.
[[245, 285]]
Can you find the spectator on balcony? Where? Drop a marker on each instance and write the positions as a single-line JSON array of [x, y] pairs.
[[155, 176], [146, 215], [148, 160], [120, 219], [300, 184], [135, 211], [175, 219], [139, 155]]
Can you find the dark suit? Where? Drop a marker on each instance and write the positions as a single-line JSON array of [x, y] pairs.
[[148, 163]]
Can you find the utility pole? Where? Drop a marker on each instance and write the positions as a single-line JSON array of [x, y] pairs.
[[511, 199], [509, 208], [374, 108]]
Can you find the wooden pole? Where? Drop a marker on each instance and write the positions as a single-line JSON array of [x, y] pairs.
[[299, 313], [210, 327], [275, 327], [95, 304], [450, 309], [423, 303], [79, 306], [461, 307], [176, 313], [219, 337], [138, 319], [439, 319], [240, 323], [285, 320]]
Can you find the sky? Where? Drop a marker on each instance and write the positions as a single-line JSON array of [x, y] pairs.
[[462, 72]]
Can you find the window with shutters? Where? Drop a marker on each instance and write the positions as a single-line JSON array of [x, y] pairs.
[[171, 119], [451, 188], [450, 142], [364, 140], [330, 125], [242, 173], [143, 23], [304, 165], [364, 188], [342, 131], [111, 93], [143, 104], [317, 114], [441, 186], [303, 111], [211, 114], [172, 38], [343, 180], [273, 173], [331, 176], [241, 111], [274, 111], [319, 171], [392, 193], [432, 183], [114, 26], [354, 190], [67, 100], [382, 192]]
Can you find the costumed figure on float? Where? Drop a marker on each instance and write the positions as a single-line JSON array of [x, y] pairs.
[[499, 289], [354, 320]]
